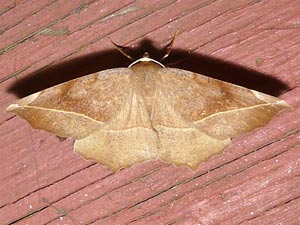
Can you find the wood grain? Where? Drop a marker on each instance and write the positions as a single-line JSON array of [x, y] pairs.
[[253, 43]]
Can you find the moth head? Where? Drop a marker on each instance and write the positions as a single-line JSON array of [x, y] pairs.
[[145, 59]]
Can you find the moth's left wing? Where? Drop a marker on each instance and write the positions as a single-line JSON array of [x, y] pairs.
[[78, 107]]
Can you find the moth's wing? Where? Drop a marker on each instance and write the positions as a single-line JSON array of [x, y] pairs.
[[119, 148], [220, 109], [78, 107], [102, 111], [204, 114]]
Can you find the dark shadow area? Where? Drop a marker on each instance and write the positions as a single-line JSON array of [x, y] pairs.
[[212, 67], [225, 71]]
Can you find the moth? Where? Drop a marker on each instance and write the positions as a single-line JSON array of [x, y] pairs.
[[119, 117]]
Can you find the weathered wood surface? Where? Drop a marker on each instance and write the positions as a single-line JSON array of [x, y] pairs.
[[252, 43]]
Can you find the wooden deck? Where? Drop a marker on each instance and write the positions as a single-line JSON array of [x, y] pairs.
[[248, 42]]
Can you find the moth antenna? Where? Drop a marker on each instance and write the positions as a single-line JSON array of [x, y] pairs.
[[169, 46], [120, 49]]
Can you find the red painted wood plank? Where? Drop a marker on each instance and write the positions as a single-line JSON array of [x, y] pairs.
[[284, 214], [24, 9], [7, 6], [47, 13], [255, 179]]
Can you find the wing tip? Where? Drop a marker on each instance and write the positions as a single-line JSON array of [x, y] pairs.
[[271, 99], [284, 104], [22, 102], [12, 107]]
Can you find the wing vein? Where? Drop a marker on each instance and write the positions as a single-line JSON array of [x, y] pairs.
[[62, 111], [239, 109]]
